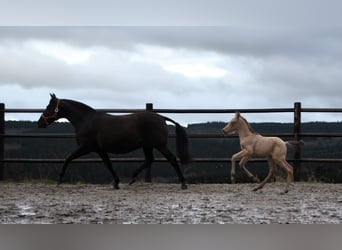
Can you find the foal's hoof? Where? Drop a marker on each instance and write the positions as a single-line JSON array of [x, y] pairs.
[[116, 186], [256, 189], [285, 192], [184, 186]]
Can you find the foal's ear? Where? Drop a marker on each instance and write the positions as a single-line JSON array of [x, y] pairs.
[[237, 114]]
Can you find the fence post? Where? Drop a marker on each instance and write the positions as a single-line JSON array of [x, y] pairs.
[[148, 177], [297, 137], [2, 140]]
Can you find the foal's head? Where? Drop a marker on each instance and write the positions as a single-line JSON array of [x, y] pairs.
[[236, 123], [50, 114], [233, 125]]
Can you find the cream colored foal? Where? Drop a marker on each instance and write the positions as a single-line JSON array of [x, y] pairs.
[[255, 145]]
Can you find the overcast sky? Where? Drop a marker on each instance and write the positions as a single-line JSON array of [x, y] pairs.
[[295, 54]]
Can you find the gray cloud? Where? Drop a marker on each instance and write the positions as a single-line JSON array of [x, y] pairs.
[[266, 66], [269, 13], [248, 41]]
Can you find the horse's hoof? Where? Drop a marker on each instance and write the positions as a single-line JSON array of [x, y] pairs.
[[131, 182], [116, 186], [184, 186]]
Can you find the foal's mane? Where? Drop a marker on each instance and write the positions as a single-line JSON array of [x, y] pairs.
[[248, 125], [80, 105]]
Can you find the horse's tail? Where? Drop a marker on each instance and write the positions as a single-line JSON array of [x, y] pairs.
[[182, 142], [295, 143]]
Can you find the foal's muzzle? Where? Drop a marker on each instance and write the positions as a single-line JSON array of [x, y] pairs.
[[226, 132]]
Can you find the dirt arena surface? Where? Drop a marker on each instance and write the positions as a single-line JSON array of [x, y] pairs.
[[145, 203]]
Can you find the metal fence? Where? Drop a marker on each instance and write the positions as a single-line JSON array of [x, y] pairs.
[[296, 110]]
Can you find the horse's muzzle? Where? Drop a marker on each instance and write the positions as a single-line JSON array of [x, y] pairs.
[[41, 123]]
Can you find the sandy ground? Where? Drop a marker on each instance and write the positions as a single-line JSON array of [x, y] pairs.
[[145, 203]]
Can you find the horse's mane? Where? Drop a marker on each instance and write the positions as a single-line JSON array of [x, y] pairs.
[[80, 105], [248, 125]]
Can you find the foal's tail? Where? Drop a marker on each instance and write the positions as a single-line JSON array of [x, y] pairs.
[[182, 143]]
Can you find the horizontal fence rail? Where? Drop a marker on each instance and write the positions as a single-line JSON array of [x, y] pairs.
[[140, 159], [297, 134], [195, 135]]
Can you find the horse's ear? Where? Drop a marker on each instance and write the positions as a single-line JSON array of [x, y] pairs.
[[53, 96], [237, 114]]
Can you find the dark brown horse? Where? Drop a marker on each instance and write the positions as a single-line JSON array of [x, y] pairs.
[[103, 133]]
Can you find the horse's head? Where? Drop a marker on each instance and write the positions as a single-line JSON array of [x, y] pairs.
[[233, 125], [50, 114]]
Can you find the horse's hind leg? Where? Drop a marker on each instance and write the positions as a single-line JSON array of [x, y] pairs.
[[149, 158], [109, 166], [271, 172], [288, 168], [173, 160]]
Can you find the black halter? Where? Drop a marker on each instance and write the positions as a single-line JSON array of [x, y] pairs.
[[54, 115]]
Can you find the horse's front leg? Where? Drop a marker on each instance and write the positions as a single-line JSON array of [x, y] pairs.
[[109, 166], [76, 154], [242, 164], [235, 157]]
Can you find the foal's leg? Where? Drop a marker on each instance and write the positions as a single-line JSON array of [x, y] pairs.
[[173, 160], [271, 172], [149, 158], [109, 166], [242, 163], [289, 169], [77, 153], [235, 157], [244, 155]]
